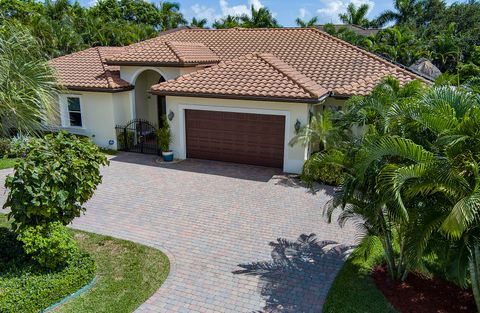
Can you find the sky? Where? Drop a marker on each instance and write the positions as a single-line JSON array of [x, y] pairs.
[[286, 11]]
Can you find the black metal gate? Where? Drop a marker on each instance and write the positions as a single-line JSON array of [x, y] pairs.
[[138, 135]]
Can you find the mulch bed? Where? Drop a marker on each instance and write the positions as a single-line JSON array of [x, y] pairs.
[[422, 295]]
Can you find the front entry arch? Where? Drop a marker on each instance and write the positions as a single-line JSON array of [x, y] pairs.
[[149, 107]]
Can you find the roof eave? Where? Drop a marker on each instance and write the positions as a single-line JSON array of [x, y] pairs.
[[237, 97], [163, 64], [98, 89]]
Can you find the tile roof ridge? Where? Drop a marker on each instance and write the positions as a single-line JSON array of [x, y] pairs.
[[169, 46], [106, 71], [370, 54], [107, 75], [291, 73]]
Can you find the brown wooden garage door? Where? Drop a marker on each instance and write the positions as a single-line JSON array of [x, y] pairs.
[[235, 137]]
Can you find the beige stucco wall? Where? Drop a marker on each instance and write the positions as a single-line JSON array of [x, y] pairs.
[[294, 157]]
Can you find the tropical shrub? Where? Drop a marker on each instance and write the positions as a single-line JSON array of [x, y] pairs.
[[125, 139], [5, 147], [58, 174], [316, 170], [51, 245], [164, 135]]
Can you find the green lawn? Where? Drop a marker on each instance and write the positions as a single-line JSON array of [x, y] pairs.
[[353, 291], [7, 163], [127, 274]]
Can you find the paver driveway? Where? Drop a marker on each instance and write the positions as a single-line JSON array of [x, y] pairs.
[[209, 217]]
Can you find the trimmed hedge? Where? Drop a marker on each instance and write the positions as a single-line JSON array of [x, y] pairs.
[[26, 287]]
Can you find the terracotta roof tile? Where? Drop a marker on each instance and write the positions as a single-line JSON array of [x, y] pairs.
[[326, 61], [329, 61], [86, 70], [193, 52], [253, 76]]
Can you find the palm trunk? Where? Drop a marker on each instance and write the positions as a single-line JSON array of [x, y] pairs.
[[474, 263], [389, 255]]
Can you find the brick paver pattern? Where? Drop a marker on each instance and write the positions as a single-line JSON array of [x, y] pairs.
[[209, 217]]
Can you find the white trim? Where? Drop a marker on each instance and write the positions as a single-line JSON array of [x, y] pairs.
[[143, 69], [64, 111], [182, 129]]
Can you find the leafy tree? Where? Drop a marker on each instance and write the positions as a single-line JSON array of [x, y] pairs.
[[25, 105], [228, 21], [306, 24], [398, 44], [261, 18], [58, 174], [356, 16], [405, 12], [199, 23]]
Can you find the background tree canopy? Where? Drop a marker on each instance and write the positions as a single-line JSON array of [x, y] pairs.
[[447, 35]]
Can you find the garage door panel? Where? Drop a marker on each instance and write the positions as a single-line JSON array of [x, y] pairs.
[[235, 137]]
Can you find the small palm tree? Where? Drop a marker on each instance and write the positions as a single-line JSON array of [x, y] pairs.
[[320, 133], [356, 16], [307, 24], [261, 18], [199, 23], [28, 89], [228, 21], [405, 11]]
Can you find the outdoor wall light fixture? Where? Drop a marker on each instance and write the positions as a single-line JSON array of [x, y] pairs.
[[171, 115], [297, 125]]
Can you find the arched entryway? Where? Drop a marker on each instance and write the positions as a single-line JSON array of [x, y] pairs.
[[149, 107]]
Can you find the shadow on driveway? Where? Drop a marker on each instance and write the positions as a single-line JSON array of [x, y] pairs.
[[225, 169], [298, 277]]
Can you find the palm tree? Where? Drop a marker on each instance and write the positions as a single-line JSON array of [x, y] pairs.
[[320, 133], [198, 23], [170, 15], [228, 21], [261, 18], [405, 11], [356, 16], [28, 89], [307, 24]]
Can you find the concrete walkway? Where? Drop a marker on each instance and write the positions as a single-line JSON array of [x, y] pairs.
[[215, 221]]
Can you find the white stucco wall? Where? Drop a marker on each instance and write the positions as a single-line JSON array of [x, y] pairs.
[[98, 120], [294, 157]]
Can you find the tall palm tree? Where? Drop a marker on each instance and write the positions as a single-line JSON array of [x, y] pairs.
[[229, 21], [306, 24], [28, 89], [261, 18], [199, 23], [356, 16], [405, 11], [170, 15]]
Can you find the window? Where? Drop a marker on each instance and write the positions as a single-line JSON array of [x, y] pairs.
[[74, 111]]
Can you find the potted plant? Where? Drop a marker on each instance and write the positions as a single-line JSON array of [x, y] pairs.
[[164, 139]]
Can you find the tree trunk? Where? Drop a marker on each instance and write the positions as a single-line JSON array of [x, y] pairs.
[[474, 263], [389, 255]]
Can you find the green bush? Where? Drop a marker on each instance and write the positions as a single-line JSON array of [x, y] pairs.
[[51, 245], [122, 144], [5, 147], [28, 288], [316, 169], [58, 174]]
